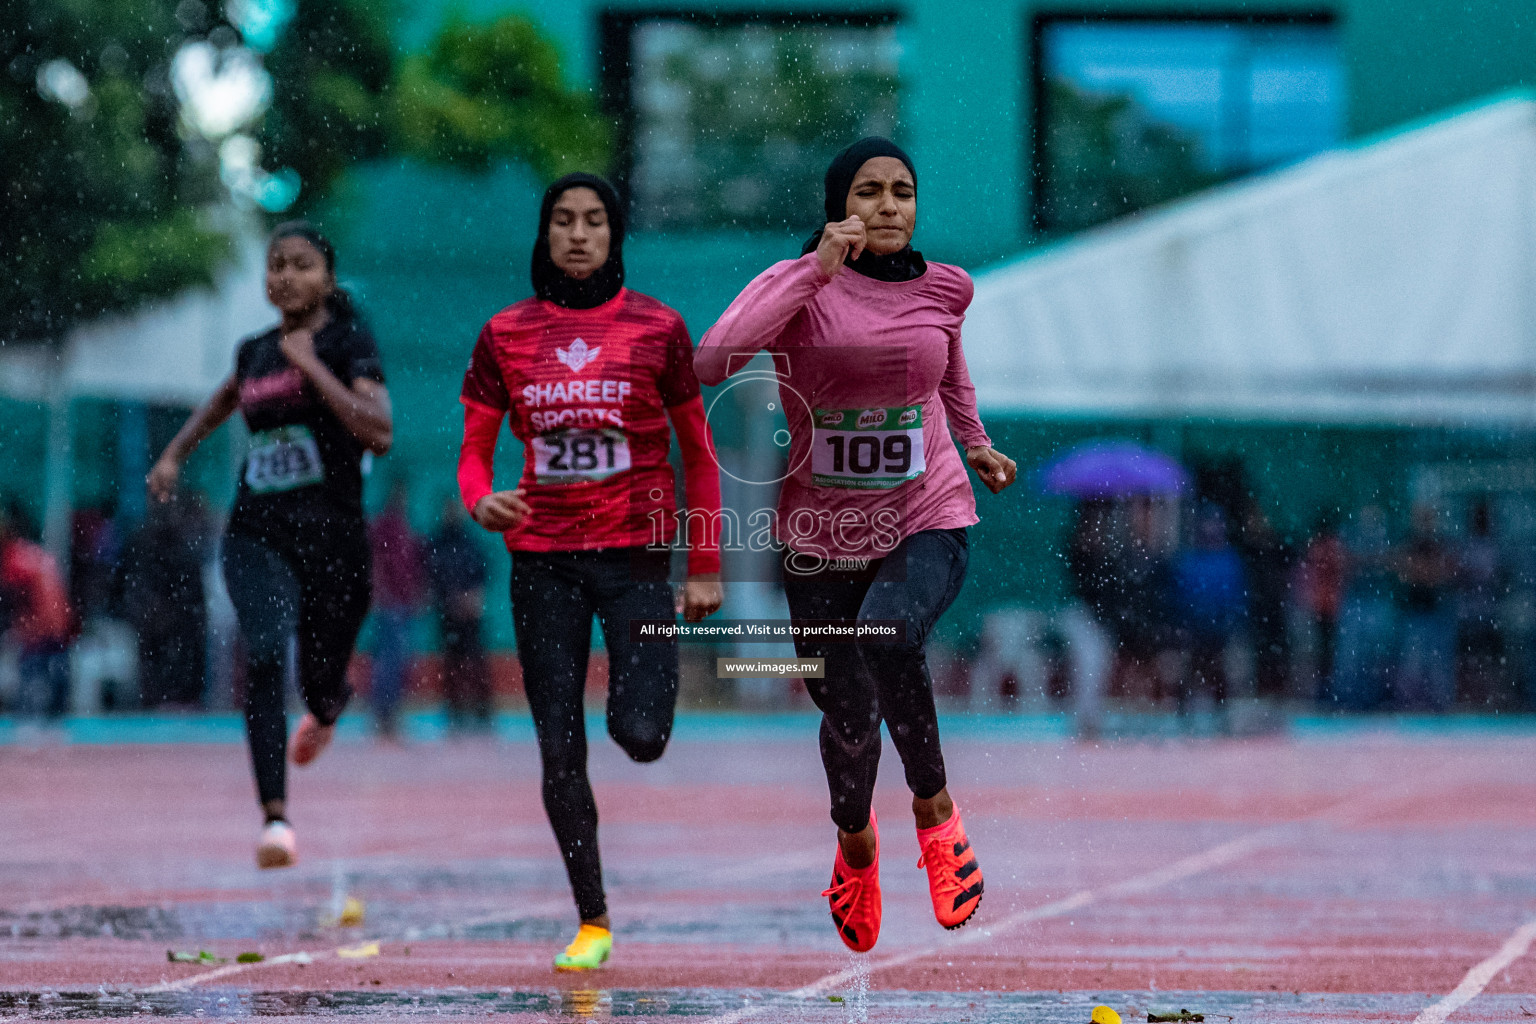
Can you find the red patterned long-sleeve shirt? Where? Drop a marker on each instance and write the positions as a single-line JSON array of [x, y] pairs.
[[590, 392]]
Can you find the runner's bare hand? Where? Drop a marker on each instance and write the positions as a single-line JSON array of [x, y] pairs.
[[837, 239], [701, 597], [501, 511], [995, 469], [163, 478]]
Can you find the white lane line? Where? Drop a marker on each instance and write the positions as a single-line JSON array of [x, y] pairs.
[[1477, 979], [1187, 867], [1194, 864], [182, 984], [766, 867], [1216, 856]]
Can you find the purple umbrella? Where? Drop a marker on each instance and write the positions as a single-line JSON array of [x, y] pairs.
[[1112, 469]]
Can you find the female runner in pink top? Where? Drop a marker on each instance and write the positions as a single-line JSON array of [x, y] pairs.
[[873, 513]]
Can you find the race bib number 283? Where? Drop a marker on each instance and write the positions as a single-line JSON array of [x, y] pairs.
[[867, 448], [283, 459]]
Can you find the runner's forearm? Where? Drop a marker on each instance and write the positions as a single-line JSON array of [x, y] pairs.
[[959, 397], [363, 408], [477, 453], [701, 481], [207, 418]]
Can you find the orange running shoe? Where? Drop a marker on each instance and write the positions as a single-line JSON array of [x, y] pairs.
[[855, 898], [954, 877], [310, 740]]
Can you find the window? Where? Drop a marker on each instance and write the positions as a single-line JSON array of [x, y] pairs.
[[730, 122], [1133, 111]]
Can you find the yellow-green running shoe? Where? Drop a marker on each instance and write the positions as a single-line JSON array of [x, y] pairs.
[[587, 951]]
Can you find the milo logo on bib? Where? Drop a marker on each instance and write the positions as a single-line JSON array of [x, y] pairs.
[[867, 448]]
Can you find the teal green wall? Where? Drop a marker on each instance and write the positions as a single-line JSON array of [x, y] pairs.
[[94, 436], [967, 82]]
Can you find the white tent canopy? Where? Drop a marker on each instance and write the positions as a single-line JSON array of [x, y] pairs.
[[173, 352], [1393, 282]]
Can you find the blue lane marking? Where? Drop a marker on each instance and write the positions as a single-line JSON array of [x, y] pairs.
[[711, 726]]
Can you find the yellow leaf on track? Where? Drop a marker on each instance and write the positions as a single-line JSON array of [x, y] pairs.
[[358, 952], [351, 913]]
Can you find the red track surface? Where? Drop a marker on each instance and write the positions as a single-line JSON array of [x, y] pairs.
[[1376, 863]]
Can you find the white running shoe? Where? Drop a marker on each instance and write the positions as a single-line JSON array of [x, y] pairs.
[[278, 847]]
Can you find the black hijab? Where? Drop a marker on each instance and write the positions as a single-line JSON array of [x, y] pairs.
[[897, 266], [552, 283]]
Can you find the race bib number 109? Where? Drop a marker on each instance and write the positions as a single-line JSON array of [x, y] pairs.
[[577, 455], [283, 459], [867, 448]]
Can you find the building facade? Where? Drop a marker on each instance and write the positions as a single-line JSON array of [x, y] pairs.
[[726, 113]]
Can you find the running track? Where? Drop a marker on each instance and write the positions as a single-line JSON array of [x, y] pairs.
[[1379, 871]]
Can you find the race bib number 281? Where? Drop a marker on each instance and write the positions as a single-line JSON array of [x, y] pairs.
[[576, 455], [867, 448], [282, 460]]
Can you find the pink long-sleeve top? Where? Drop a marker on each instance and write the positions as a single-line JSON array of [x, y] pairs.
[[873, 382]]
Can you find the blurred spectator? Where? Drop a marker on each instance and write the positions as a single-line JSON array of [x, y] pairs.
[[1363, 667], [1013, 662], [1209, 595], [1086, 623], [1267, 562], [1518, 621], [1481, 584], [456, 571], [93, 557], [398, 587], [1426, 574], [1141, 624], [1091, 562], [1320, 580], [161, 576], [36, 616]]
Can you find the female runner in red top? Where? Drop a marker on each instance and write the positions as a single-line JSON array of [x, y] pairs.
[[589, 374]]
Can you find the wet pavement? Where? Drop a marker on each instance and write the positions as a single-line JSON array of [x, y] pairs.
[[206, 922], [705, 1005], [1343, 875]]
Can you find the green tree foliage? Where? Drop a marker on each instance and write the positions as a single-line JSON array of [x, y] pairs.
[[482, 92], [97, 192], [104, 193], [1105, 156], [331, 69]]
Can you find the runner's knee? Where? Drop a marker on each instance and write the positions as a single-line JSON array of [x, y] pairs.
[[907, 643], [642, 739]]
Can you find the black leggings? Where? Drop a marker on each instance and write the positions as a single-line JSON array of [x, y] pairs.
[[554, 596], [317, 595], [868, 681]]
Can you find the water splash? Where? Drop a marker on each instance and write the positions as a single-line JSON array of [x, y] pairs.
[[856, 1003]]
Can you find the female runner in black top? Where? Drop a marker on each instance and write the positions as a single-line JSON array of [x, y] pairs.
[[295, 553]]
